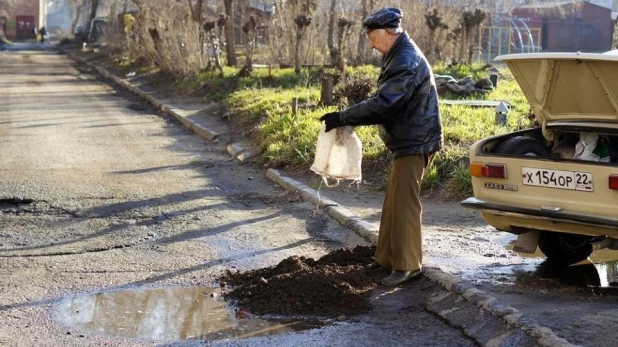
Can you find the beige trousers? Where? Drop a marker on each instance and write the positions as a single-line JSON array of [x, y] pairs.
[[400, 244]]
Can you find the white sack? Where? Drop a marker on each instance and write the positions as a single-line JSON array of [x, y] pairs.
[[338, 155], [585, 148]]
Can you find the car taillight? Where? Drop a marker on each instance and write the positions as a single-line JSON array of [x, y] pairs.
[[613, 182], [488, 170]]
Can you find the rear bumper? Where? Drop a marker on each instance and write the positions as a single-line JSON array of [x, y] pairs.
[[529, 213]]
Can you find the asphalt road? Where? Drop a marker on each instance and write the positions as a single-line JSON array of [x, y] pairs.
[[100, 193]]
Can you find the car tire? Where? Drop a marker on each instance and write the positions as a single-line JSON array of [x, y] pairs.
[[564, 248], [523, 145]]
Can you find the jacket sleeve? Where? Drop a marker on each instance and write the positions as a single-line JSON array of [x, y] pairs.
[[399, 81]]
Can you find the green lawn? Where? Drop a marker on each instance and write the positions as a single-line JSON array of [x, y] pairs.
[[264, 101]]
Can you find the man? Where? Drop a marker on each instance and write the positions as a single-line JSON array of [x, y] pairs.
[[405, 107], [43, 33]]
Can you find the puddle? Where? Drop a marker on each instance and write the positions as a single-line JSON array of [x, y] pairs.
[[600, 270], [585, 274], [168, 314], [608, 274]]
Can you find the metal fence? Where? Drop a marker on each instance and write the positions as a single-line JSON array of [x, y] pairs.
[[497, 40]]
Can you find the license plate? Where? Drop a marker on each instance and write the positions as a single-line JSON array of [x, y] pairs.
[[571, 180]]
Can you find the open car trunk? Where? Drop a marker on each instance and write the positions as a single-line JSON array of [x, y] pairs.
[[574, 97], [559, 180], [574, 142]]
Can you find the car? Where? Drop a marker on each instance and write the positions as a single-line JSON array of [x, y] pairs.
[[97, 30], [80, 33], [555, 185]]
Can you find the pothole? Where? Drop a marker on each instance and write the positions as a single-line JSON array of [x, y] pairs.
[[195, 313], [598, 272], [15, 201], [137, 107], [17, 205]]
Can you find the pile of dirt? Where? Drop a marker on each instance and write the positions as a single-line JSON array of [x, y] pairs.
[[334, 285]]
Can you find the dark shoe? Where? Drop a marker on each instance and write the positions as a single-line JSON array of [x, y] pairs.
[[399, 277]]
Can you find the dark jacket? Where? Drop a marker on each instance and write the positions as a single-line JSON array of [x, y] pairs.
[[405, 105]]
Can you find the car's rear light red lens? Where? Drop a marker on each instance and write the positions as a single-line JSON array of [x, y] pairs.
[[488, 170], [613, 182], [494, 170]]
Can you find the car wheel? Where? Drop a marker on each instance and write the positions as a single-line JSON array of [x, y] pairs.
[[523, 145], [563, 248]]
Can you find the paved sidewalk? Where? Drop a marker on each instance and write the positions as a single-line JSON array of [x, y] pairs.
[[481, 316]]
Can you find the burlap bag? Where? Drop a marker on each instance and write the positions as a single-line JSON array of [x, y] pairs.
[[338, 155]]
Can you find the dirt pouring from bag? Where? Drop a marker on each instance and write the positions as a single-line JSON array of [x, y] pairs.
[[338, 284]]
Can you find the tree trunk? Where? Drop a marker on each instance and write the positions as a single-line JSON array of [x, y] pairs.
[[334, 51], [94, 6], [299, 39], [113, 9], [230, 46], [198, 11], [78, 13], [363, 51], [470, 48], [242, 40], [196, 14], [462, 43]]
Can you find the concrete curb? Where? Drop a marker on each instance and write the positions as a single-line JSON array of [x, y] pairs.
[[511, 328], [242, 151], [462, 306]]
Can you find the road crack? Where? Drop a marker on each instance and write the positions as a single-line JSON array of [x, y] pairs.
[[60, 253]]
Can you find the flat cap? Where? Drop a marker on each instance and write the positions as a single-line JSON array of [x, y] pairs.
[[386, 17]]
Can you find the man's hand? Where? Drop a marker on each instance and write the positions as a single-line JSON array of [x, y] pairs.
[[331, 120]]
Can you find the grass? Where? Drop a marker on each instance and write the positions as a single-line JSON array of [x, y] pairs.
[[263, 102], [459, 71]]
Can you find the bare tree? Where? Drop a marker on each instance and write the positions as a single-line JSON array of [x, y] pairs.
[[363, 52], [334, 50], [250, 30], [196, 10], [299, 31], [344, 30], [94, 7], [78, 7], [304, 15], [470, 20], [441, 36], [302, 22], [198, 17], [214, 49], [230, 46]]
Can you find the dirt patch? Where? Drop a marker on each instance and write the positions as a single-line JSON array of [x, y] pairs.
[[338, 283]]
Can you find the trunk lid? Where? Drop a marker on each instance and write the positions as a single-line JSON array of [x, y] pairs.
[[568, 86]]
